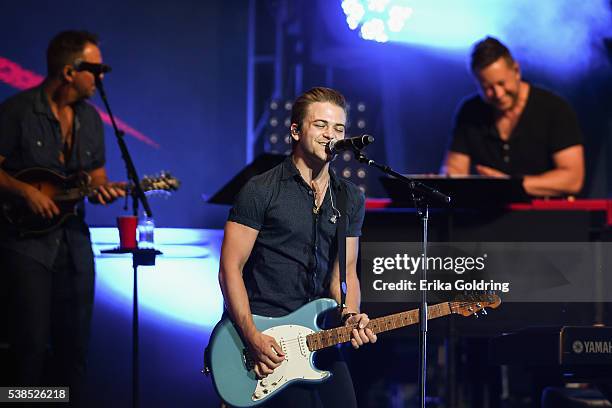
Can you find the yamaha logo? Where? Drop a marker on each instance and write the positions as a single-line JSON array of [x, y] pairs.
[[578, 347], [592, 347]]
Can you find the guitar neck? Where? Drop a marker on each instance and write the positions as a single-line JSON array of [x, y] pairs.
[[342, 334]]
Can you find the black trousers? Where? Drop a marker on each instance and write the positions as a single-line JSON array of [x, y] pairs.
[[337, 391], [49, 312]]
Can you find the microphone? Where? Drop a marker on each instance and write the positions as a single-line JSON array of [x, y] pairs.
[[352, 143], [95, 69]]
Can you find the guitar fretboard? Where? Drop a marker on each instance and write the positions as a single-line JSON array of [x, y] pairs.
[[342, 334]]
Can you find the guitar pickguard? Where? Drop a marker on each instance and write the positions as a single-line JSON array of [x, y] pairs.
[[297, 364]]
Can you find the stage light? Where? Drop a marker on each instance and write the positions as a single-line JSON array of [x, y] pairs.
[[423, 22], [274, 105], [550, 34], [377, 20], [273, 121], [287, 122], [346, 156], [397, 18], [346, 173], [361, 107], [288, 139], [361, 124], [273, 138], [361, 173], [288, 105], [354, 11], [377, 5], [374, 30]]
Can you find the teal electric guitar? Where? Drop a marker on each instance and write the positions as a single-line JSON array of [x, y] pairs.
[[227, 359]]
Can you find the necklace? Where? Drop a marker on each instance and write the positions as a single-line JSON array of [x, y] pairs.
[[318, 197]]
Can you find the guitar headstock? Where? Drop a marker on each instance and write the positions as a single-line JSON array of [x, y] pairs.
[[163, 183], [472, 304]]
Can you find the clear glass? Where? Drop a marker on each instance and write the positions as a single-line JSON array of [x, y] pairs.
[[146, 230]]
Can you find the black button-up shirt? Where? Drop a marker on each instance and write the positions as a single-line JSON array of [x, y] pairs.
[[547, 125], [30, 136], [293, 256]]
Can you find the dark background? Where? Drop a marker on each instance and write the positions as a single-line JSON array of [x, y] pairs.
[[180, 77]]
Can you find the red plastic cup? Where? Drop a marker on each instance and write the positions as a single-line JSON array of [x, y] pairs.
[[127, 231]]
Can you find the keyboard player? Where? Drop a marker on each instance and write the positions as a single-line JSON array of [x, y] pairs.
[[513, 128]]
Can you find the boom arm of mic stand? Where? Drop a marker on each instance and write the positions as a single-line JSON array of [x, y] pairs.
[[415, 186], [137, 192]]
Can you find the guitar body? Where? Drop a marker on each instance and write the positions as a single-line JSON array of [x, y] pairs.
[[228, 362], [65, 191]]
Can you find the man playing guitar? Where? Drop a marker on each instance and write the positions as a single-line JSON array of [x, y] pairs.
[[279, 252], [51, 276]]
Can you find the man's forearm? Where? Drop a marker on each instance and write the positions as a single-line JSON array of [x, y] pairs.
[[236, 300], [553, 183], [353, 294], [12, 185]]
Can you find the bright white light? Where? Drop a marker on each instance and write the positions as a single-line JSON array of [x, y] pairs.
[[377, 5], [352, 23], [374, 30], [354, 11], [397, 18], [440, 23]]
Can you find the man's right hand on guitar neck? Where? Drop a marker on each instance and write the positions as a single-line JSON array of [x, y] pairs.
[[265, 352]]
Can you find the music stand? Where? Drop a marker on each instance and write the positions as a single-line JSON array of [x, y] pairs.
[[230, 190], [467, 191]]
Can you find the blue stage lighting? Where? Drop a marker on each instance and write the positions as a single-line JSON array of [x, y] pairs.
[[182, 287], [441, 23], [558, 36]]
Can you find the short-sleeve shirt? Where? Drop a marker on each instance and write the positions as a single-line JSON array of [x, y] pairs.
[[547, 125], [30, 136], [295, 249]]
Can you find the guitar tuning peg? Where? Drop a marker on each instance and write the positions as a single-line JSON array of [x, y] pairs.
[[484, 312], [476, 315]]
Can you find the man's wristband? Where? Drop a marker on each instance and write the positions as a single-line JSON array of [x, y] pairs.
[[347, 316]]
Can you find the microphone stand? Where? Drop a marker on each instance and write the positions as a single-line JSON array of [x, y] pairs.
[[421, 194], [137, 193], [140, 256]]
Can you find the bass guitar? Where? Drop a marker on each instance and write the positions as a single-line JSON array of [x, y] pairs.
[[66, 192], [228, 362]]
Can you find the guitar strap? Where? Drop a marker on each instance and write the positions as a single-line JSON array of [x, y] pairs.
[[341, 228]]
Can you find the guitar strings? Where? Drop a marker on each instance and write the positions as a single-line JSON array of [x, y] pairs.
[[452, 305]]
